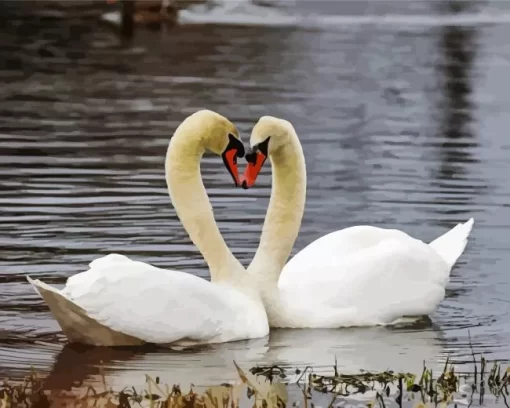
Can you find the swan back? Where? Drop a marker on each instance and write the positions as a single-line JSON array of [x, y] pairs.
[[163, 306], [373, 285]]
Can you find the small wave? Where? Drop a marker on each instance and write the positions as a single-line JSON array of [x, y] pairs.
[[238, 12], [246, 13]]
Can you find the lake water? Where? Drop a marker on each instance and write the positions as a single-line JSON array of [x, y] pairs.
[[402, 109]]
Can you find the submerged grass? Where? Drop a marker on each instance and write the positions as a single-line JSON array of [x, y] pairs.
[[270, 387]]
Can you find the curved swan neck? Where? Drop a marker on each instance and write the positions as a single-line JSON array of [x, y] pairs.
[[192, 205], [285, 211]]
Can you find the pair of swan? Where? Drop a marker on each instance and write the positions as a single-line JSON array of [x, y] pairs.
[[356, 276]]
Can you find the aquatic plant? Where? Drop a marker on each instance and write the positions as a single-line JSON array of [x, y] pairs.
[[269, 387]]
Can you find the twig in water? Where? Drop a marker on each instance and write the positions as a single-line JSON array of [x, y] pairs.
[[474, 359], [482, 372], [401, 392], [380, 399], [302, 374], [332, 401]]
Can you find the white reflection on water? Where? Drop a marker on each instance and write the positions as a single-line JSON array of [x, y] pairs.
[[375, 349]]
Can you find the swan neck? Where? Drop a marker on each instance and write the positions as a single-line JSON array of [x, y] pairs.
[[280, 308], [194, 210], [285, 211]]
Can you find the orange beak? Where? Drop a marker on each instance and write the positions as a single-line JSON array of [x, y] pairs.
[[255, 163], [230, 161], [234, 150]]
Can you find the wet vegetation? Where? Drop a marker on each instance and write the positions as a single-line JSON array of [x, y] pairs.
[[274, 386]]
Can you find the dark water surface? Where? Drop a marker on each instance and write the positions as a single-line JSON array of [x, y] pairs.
[[404, 124]]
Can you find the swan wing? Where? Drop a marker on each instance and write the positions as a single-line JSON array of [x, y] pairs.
[[332, 248], [162, 306], [379, 284]]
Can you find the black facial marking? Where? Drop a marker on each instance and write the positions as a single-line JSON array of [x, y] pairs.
[[235, 143], [263, 147], [238, 146], [251, 152]]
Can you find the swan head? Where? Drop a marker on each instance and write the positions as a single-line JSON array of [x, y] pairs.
[[268, 137], [218, 135]]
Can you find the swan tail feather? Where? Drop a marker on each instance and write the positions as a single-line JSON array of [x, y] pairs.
[[75, 323], [451, 245]]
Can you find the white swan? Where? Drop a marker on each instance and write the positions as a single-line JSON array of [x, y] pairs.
[[119, 302], [357, 276]]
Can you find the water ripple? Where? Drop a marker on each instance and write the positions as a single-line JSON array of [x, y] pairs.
[[402, 128]]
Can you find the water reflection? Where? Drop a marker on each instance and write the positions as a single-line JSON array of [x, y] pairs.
[[457, 71], [372, 348], [84, 126]]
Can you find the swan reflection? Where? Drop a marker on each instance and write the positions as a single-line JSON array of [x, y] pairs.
[[376, 349]]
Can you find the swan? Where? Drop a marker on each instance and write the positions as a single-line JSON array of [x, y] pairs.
[[122, 302], [357, 276]]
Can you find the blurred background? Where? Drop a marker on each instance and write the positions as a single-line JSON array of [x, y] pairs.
[[402, 110]]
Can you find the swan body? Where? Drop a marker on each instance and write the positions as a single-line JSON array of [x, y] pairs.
[[357, 276], [376, 276], [359, 240], [143, 302], [119, 301]]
